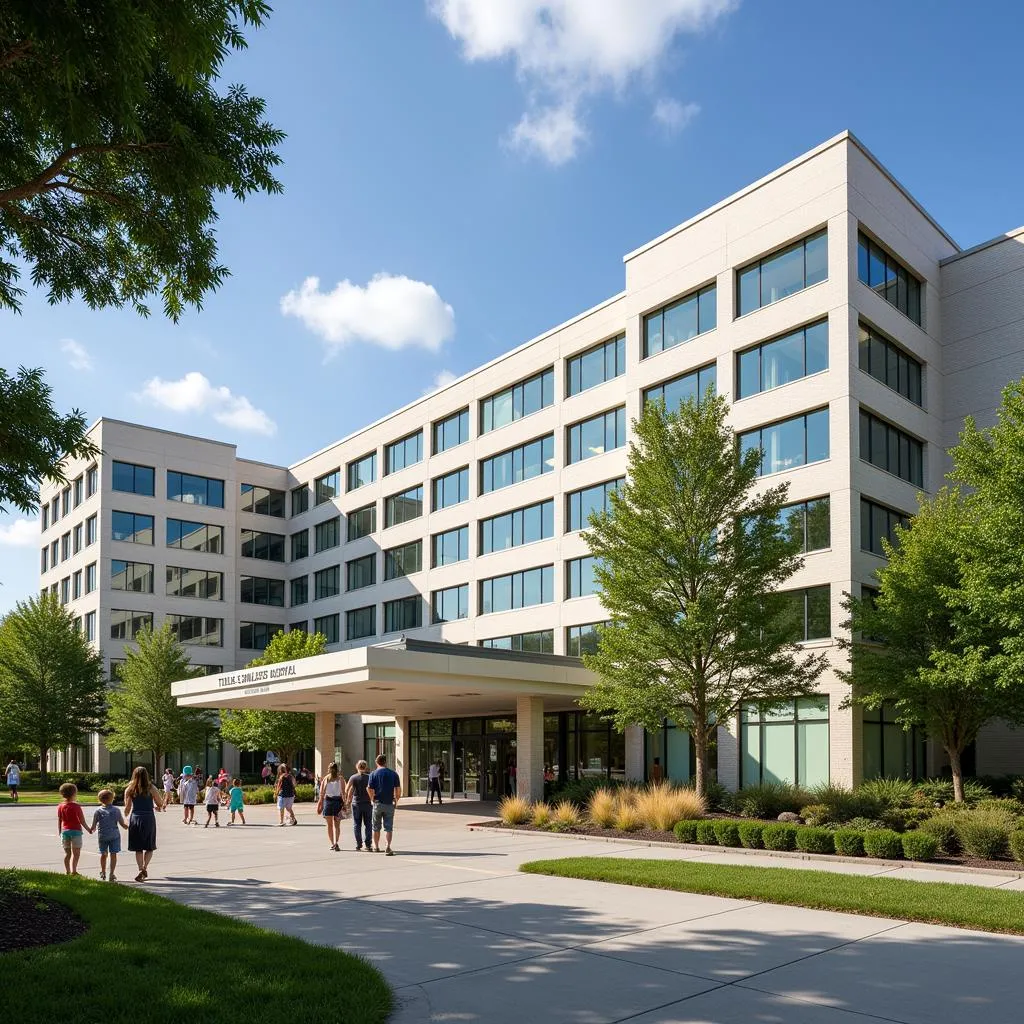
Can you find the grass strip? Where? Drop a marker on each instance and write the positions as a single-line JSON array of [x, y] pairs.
[[146, 958], [35, 798], [957, 905]]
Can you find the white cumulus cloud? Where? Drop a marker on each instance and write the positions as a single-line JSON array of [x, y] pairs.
[[672, 115], [78, 357], [566, 51], [19, 533], [193, 393], [394, 312], [441, 380]]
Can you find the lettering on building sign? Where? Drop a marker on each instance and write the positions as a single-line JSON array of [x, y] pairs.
[[257, 675], [255, 691]]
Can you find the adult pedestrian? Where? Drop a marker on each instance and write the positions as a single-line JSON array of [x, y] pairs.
[[385, 789], [13, 778], [331, 803], [434, 782], [168, 786], [284, 790], [266, 773], [362, 807], [141, 802]]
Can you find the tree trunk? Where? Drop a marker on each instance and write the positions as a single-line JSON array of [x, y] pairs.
[[700, 744], [44, 774], [958, 773]]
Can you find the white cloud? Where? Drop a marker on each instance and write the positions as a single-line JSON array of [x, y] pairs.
[[78, 357], [441, 380], [672, 115], [19, 533], [391, 311], [193, 393], [566, 51]]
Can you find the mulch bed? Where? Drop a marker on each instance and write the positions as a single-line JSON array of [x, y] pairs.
[[28, 920]]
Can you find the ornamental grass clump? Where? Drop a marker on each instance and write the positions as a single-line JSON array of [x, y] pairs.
[[751, 834], [514, 810], [541, 816], [815, 840], [770, 799], [601, 808], [660, 807], [627, 818], [919, 846], [849, 842], [566, 816], [888, 792], [779, 837], [842, 804], [884, 844]]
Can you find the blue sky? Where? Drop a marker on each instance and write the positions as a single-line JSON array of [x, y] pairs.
[[461, 175]]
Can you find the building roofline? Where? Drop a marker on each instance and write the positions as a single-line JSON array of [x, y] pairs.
[[1007, 236], [844, 136], [466, 376]]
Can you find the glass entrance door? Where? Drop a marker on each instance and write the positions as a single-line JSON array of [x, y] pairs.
[[466, 780], [500, 773]]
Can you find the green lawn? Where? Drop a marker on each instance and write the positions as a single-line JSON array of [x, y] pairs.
[[36, 798], [961, 906], [146, 958]]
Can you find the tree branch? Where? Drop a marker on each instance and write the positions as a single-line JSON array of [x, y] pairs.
[[15, 53]]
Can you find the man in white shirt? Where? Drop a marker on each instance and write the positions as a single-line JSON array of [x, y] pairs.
[[434, 782], [13, 779]]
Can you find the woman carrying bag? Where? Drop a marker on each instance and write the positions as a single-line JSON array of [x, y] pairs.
[[331, 804]]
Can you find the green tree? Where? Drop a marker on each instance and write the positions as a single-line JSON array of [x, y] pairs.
[[691, 557], [284, 732], [52, 689], [918, 647], [115, 144], [141, 713]]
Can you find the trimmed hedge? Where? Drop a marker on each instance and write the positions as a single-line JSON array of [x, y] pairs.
[[727, 833], [919, 846], [943, 829], [686, 831], [706, 833], [779, 837], [982, 837], [849, 842], [884, 844], [751, 834], [1016, 845], [815, 840]]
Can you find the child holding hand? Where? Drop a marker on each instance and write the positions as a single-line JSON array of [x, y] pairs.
[[70, 825], [106, 819]]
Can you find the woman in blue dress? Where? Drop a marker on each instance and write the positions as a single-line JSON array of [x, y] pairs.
[[141, 802]]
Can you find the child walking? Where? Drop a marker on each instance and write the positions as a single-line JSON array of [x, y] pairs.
[[70, 825], [188, 790], [106, 820], [213, 795], [237, 801]]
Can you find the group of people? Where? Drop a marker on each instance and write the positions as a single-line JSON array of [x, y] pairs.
[[216, 794], [371, 798]]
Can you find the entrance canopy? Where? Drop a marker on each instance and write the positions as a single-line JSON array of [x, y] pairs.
[[407, 678]]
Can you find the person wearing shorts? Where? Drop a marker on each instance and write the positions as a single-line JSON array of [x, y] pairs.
[[284, 789], [188, 790], [107, 820], [384, 788], [213, 795], [70, 826], [13, 779]]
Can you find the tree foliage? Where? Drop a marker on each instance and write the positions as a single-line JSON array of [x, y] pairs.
[[115, 144], [141, 713], [52, 688], [691, 556], [284, 732], [34, 438]]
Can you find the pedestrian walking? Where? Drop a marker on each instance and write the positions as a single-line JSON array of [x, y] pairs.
[[237, 805], [212, 798], [13, 779], [362, 808], [70, 826], [141, 802], [188, 790], [434, 782], [266, 772], [331, 804], [107, 820], [385, 789], [168, 787], [284, 790]]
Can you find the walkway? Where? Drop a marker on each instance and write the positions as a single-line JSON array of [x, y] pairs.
[[462, 936]]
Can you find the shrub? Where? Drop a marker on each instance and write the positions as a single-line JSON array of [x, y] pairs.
[[751, 834], [566, 816], [843, 804], [943, 829], [894, 818], [888, 792], [580, 791], [1016, 844], [601, 809], [1017, 788], [686, 831], [815, 840], [717, 797], [660, 807], [942, 790], [727, 832], [883, 843], [983, 835], [770, 799], [912, 817], [706, 833], [864, 824], [541, 816], [626, 817], [849, 842], [1008, 806], [815, 814], [513, 810], [779, 837], [919, 846]]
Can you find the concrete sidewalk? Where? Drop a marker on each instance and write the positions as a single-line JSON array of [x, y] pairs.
[[462, 936]]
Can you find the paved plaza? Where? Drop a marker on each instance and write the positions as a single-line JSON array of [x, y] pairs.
[[463, 937]]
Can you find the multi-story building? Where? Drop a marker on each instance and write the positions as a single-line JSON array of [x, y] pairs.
[[847, 329]]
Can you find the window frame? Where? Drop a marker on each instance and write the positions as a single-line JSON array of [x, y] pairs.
[[391, 448], [619, 421], [694, 295], [574, 364], [517, 398], [777, 254], [462, 415]]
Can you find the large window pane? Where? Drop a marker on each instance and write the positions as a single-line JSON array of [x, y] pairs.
[[680, 321]]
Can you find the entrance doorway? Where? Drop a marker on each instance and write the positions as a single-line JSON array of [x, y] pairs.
[[466, 781], [500, 774]]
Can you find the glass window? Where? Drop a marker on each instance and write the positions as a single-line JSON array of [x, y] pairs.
[[329, 626], [361, 572], [124, 624], [517, 464], [888, 277], [76, 585], [888, 448], [521, 526], [65, 501], [195, 536], [327, 487], [401, 508], [76, 543], [131, 527], [887, 362], [782, 360], [360, 622], [680, 321], [877, 523], [406, 452], [403, 560], [299, 544], [260, 590], [580, 640], [254, 636], [596, 499], [450, 546], [789, 443], [807, 524], [262, 501], [126, 476], [92, 481], [90, 577], [327, 534], [579, 577], [517, 590], [90, 626], [450, 489], [197, 630], [450, 604], [266, 546], [194, 490], [595, 366], [300, 500], [522, 399], [300, 591], [43, 559], [327, 582], [361, 472], [136, 577], [362, 522], [46, 517], [204, 584], [811, 610], [789, 743], [65, 546], [783, 273], [597, 435], [451, 431], [405, 613], [539, 642], [674, 392], [77, 490]]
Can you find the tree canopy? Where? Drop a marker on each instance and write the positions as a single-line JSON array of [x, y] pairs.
[[52, 688], [116, 142], [142, 714], [690, 559]]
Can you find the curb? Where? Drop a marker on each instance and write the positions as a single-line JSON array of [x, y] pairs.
[[820, 858]]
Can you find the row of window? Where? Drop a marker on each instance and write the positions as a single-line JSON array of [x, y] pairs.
[[68, 545], [83, 486]]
